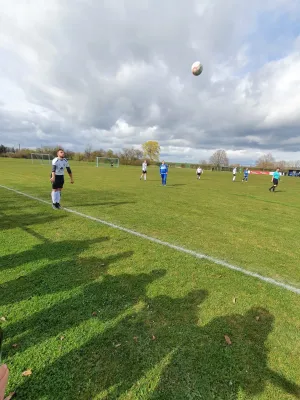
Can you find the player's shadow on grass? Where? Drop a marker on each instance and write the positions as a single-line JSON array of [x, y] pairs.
[[24, 220], [101, 301], [49, 251], [158, 350], [57, 277]]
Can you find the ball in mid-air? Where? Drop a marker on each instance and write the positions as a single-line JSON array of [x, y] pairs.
[[197, 68]]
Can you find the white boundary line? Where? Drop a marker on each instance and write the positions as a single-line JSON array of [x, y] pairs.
[[171, 246]]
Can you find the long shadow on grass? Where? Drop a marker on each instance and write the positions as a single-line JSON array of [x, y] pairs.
[[49, 251], [59, 276], [159, 352], [102, 300], [25, 219]]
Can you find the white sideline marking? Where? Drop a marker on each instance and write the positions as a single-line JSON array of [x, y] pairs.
[[171, 246]]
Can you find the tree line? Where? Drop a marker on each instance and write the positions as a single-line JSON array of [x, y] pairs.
[[150, 151]]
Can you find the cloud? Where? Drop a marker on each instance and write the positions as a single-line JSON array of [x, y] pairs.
[[115, 74]]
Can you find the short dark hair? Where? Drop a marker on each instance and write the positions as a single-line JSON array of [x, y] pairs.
[[60, 150]]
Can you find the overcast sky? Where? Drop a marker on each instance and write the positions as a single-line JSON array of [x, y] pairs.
[[115, 73]]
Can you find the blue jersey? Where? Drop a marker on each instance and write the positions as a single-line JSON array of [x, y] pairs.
[[276, 175], [246, 172], [163, 169]]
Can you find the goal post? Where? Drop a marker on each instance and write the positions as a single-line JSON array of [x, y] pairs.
[[107, 162], [40, 158]]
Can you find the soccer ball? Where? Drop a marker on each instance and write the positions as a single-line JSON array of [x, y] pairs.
[[197, 68]]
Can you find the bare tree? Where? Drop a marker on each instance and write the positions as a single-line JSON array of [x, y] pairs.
[[129, 155], [88, 152], [266, 161], [296, 164], [219, 159], [281, 164]]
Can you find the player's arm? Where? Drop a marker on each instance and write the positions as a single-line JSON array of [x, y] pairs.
[[70, 173], [4, 373], [52, 179]]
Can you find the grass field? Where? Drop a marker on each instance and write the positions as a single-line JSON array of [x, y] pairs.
[[97, 313]]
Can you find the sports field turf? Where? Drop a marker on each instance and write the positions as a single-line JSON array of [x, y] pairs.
[[97, 313]]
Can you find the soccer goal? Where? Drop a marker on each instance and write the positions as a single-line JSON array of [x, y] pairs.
[[40, 158], [107, 162]]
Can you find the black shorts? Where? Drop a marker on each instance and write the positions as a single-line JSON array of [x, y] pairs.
[[275, 181], [144, 172], [59, 182], [198, 173]]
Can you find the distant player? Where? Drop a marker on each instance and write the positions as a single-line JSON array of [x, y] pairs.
[[234, 174], [199, 172], [144, 170], [59, 164], [275, 180], [246, 173], [163, 170]]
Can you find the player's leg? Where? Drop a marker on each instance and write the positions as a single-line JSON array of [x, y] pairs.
[[60, 185], [273, 187], [57, 186], [53, 197], [145, 175], [58, 198], [54, 194]]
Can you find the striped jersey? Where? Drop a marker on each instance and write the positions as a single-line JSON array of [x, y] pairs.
[[59, 165]]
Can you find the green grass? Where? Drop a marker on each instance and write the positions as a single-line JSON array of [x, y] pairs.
[[97, 313]]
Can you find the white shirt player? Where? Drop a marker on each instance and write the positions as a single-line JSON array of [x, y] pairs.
[[234, 171], [144, 166], [199, 171], [59, 165]]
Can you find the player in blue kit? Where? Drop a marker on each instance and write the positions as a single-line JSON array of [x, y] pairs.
[[246, 173], [275, 180], [163, 170]]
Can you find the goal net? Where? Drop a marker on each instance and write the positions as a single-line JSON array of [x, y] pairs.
[[107, 162], [40, 158]]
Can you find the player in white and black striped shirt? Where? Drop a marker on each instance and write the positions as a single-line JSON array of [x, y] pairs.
[[59, 164], [144, 170], [199, 172]]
